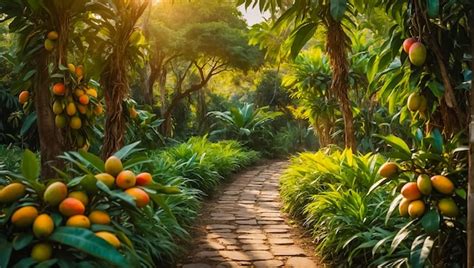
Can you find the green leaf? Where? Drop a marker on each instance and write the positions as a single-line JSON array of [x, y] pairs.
[[400, 236], [5, 252], [397, 144], [420, 252], [392, 207], [461, 193], [432, 8], [88, 242], [22, 240], [338, 8], [30, 167], [116, 194], [24, 263], [127, 150], [93, 160], [30, 120], [301, 36], [158, 199], [431, 221], [437, 141]]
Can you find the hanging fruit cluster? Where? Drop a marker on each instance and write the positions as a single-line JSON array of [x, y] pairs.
[[76, 105], [34, 211]]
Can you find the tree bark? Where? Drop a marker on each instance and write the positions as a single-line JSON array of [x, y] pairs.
[[49, 135], [470, 190], [336, 46]]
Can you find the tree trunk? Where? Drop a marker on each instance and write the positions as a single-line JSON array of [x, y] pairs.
[[201, 110], [49, 135], [470, 190], [336, 46]]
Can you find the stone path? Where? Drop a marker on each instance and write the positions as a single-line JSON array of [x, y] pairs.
[[245, 228]]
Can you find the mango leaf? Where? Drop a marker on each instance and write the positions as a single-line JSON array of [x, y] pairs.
[[28, 123], [419, 255], [338, 8], [47, 264], [377, 184], [393, 206], [400, 236], [30, 167], [397, 144], [158, 199], [86, 241], [301, 36], [461, 193], [436, 141], [5, 252], [134, 161], [22, 240], [163, 189], [127, 150], [431, 221], [116, 194], [93, 160], [24, 263], [432, 8]]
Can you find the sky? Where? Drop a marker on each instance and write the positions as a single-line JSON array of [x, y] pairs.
[[252, 15]]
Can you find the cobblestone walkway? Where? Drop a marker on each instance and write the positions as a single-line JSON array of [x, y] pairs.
[[245, 228]]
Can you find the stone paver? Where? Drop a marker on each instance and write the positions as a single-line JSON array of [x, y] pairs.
[[245, 227]]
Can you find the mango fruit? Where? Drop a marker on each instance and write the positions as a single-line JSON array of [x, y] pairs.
[[58, 107], [403, 207], [71, 67], [55, 193], [442, 184], [110, 238], [79, 221], [133, 113], [23, 97], [79, 71], [49, 44], [82, 108], [447, 207], [12, 192], [84, 99], [407, 44], [106, 178], [92, 92], [410, 191], [24, 216], [417, 54], [414, 102], [423, 183], [42, 252], [71, 206], [388, 170], [53, 35], [75, 122], [71, 109], [144, 178], [126, 179], [113, 166], [99, 217], [98, 110], [43, 226], [423, 105], [141, 197], [81, 196], [416, 208], [60, 121], [59, 89]]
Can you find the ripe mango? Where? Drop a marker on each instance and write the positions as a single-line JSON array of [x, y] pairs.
[[417, 54], [106, 178], [75, 122], [410, 191], [42, 252], [110, 238], [24, 217], [82, 108], [58, 107], [92, 92], [447, 207], [416, 208], [60, 121], [81, 196], [113, 166], [23, 97], [12, 192], [407, 44], [141, 197], [99, 217], [84, 99], [126, 179], [442, 184], [414, 102], [55, 193], [71, 67], [71, 109], [423, 183], [403, 207], [59, 89], [71, 206], [388, 170], [144, 178], [79, 221], [53, 35], [43, 226]]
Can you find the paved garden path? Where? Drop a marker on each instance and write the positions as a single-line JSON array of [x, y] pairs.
[[244, 227]]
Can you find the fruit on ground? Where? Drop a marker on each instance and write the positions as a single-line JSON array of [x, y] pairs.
[[12, 192], [71, 109], [416, 208], [84, 99], [42, 252], [126, 179], [388, 170], [417, 54], [141, 197], [23, 97], [113, 165], [403, 207], [24, 217], [43, 226], [92, 92], [81, 196], [110, 238], [49, 44], [71, 206], [71, 67], [144, 178], [424, 184], [55, 193], [59, 89], [447, 207], [99, 217], [414, 102], [75, 122], [410, 191], [82, 108], [58, 107], [106, 178], [79, 221], [407, 44], [53, 35], [60, 121], [442, 184]]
